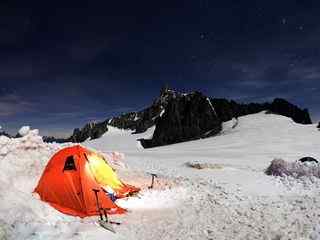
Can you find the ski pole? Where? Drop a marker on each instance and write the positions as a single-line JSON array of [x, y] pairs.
[[97, 201], [153, 175]]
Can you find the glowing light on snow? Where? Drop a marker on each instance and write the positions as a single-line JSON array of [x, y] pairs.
[[154, 199]]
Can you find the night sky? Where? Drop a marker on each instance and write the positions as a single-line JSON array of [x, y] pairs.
[[64, 65]]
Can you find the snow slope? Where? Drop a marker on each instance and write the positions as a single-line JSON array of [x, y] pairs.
[[233, 201]]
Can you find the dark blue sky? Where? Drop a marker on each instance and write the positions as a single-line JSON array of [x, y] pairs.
[[64, 65]]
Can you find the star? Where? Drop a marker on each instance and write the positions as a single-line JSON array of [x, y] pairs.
[[284, 21]]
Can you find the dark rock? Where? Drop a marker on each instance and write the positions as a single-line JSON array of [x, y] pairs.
[[278, 167], [49, 139], [125, 121], [318, 125], [283, 107], [3, 133], [138, 121], [226, 110], [186, 117], [282, 168], [308, 159], [91, 130], [142, 120]]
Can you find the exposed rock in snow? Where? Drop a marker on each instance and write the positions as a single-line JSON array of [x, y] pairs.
[[227, 110], [280, 167], [203, 165], [91, 130], [284, 108], [136, 118], [186, 118]]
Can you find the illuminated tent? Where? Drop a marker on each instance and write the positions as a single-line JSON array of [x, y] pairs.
[[71, 177]]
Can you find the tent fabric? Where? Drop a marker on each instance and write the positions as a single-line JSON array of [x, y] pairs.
[[106, 177], [70, 177]]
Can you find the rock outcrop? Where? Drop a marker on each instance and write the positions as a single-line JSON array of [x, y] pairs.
[[3, 133], [283, 107], [49, 139], [142, 120], [186, 117], [227, 110], [89, 131]]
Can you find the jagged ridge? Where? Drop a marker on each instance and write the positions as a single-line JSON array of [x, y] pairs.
[[181, 117]]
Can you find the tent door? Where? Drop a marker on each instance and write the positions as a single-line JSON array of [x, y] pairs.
[[72, 172]]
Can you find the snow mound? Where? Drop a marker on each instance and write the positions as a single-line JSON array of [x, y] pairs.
[[22, 161], [280, 167], [24, 130]]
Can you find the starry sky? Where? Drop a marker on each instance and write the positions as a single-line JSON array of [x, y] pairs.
[[64, 64]]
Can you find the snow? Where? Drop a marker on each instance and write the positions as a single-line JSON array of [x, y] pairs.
[[24, 130], [211, 106], [136, 118], [236, 200], [162, 112]]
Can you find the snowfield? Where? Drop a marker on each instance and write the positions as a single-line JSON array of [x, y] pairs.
[[230, 197]]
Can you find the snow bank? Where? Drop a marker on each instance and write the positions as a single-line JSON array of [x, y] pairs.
[[22, 161], [280, 167], [236, 202], [24, 130]]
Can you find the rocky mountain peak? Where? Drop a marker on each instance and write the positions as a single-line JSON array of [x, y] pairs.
[[166, 94], [181, 117], [186, 117]]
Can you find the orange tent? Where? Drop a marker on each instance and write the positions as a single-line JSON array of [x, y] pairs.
[[71, 177]]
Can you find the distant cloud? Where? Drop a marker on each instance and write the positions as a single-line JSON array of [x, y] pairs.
[[12, 104], [306, 73]]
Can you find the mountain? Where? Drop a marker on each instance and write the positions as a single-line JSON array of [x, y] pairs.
[[138, 121], [142, 120], [180, 117], [186, 117], [230, 109]]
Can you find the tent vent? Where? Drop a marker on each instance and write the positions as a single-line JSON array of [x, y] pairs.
[[69, 164]]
